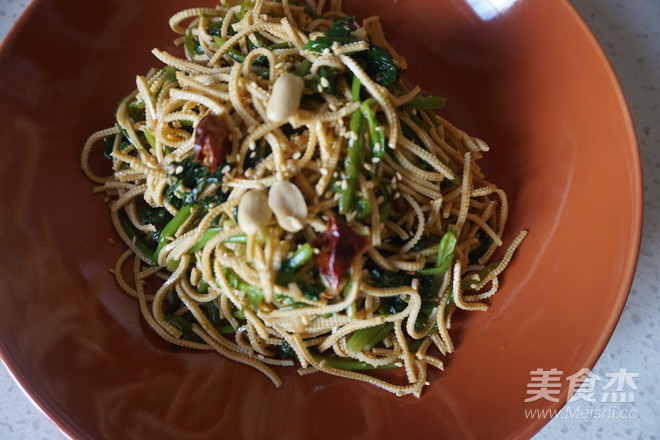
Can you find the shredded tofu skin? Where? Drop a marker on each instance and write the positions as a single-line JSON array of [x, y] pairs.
[[287, 200]]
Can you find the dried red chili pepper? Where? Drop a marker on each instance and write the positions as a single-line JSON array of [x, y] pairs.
[[211, 142], [338, 246]]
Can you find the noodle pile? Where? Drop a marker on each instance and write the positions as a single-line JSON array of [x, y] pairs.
[[415, 222]]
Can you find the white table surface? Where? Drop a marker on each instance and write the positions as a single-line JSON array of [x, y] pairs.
[[629, 31]]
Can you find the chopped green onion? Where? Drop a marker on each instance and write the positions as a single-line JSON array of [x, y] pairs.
[[244, 7], [352, 163], [233, 54], [450, 303], [208, 235], [304, 67], [376, 136], [189, 43], [426, 102], [445, 254], [283, 45], [184, 326], [171, 228], [137, 104], [238, 239], [301, 256], [172, 265], [225, 329], [367, 338], [469, 282], [415, 345], [203, 287], [363, 209], [254, 295], [149, 137], [355, 89]]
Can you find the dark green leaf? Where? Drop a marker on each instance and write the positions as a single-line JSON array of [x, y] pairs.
[[367, 338], [135, 235], [285, 351], [184, 326]]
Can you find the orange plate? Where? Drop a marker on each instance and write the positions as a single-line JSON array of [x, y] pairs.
[[529, 79]]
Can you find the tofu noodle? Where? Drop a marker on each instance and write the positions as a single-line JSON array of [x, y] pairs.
[[286, 199]]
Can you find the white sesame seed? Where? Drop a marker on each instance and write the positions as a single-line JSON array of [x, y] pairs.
[[375, 159], [399, 176], [325, 83], [178, 170], [397, 195], [379, 128], [297, 155], [326, 52], [323, 171]]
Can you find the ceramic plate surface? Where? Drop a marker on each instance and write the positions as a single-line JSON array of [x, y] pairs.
[[526, 76]]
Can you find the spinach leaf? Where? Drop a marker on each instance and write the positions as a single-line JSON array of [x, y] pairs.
[[184, 326], [391, 305], [285, 351], [185, 187], [159, 217], [287, 273], [376, 61], [484, 244], [385, 278]]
